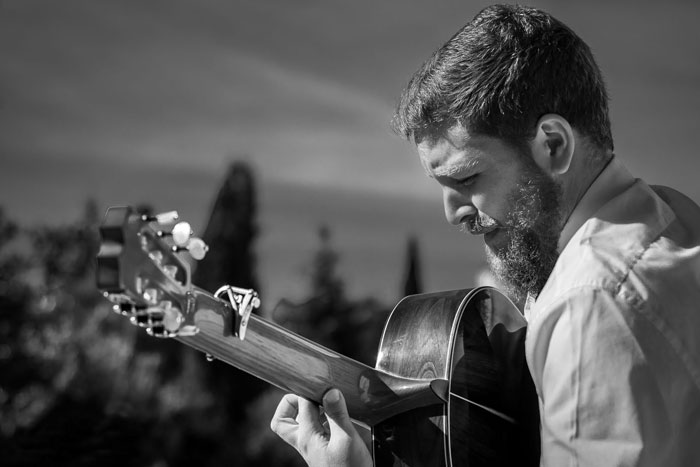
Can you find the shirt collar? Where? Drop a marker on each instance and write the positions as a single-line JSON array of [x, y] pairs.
[[612, 180], [527, 308]]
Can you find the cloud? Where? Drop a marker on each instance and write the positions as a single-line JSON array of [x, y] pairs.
[[144, 89]]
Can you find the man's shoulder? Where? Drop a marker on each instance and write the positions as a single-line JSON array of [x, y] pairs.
[[636, 262]]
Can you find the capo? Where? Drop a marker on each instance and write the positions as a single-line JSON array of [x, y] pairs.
[[242, 302]]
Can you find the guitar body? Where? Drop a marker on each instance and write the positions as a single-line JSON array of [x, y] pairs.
[[474, 339]]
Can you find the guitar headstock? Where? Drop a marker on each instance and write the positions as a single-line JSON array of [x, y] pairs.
[[140, 269]]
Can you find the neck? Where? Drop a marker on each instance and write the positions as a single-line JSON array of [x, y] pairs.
[[576, 182]]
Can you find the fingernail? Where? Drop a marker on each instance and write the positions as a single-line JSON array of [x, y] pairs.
[[332, 396]]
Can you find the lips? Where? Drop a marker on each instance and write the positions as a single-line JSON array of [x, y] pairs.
[[488, 229], [477, 228], [496, 239]]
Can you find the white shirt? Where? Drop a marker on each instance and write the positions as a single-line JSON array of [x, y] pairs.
[[613, 340]]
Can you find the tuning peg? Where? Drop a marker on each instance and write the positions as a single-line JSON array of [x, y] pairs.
[[196, 247], [141, 318], [181, 233], [151, 316], [126, 309], [172, 317], [151, 295], [165, 320], [122, 308], [162, 218]]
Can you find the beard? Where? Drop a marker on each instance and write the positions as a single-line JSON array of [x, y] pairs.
[[532, 226]]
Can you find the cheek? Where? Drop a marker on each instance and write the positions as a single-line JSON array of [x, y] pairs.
[[493, 205]]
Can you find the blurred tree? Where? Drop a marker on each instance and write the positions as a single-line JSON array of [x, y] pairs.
[[325, 283], [328, 317], [55, 373], [230, 233], [320, 315], [75, 389], [15, 295], [412, 276]]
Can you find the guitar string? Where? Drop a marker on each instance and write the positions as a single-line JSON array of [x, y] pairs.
[[488, 409]]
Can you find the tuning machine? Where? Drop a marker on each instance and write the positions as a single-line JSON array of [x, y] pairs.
[[196, 248], [163, 218], [183, 239], [180, 233], [122, 303], [163, 320], [126, 309]]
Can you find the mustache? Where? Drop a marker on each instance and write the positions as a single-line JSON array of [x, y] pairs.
[[479, 225]]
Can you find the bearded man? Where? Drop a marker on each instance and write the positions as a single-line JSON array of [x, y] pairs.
[[510, 118]]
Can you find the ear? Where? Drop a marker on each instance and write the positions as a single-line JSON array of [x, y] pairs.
[[554, 144]]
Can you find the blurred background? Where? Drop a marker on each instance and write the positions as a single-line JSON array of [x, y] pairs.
[[272, 115]]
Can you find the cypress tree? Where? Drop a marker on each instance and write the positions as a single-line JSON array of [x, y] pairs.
[[230, 234], [412, 278]]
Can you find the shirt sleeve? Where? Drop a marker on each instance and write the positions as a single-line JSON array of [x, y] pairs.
[[594, 385]]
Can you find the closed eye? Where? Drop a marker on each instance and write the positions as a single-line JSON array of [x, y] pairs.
[[467, 180]]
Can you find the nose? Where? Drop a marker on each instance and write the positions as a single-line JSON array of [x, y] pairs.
[[458, 206]]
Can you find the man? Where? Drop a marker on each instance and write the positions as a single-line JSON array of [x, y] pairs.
[[510, 117]]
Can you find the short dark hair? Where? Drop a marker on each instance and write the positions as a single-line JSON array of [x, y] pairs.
[[500, 73]]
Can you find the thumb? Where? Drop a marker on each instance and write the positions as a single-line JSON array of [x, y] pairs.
[[337, 412]]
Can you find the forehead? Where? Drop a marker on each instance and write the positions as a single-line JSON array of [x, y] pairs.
[[458, 151]]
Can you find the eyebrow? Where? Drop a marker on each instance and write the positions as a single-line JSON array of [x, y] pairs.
[[465, 169]]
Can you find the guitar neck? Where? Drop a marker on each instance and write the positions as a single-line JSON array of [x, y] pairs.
[[296, 364]]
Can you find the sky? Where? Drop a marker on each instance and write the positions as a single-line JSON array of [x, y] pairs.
[[138, 101]]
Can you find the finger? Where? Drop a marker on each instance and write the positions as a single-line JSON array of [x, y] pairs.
[[337, 413], [309, 417], [324, 421], [311, 437], [284, 421], [287, 408]]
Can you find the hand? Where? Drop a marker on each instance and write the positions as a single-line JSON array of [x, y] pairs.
[[297, 421]]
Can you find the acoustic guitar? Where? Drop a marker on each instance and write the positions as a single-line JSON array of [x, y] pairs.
[[450, 386]]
